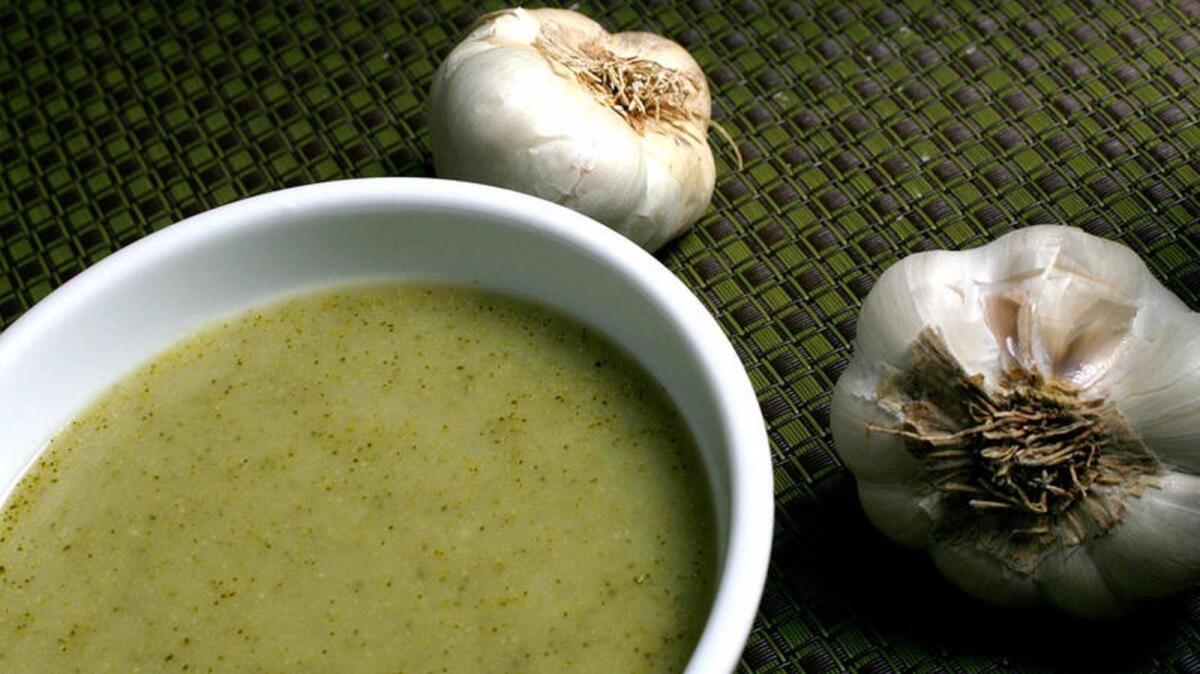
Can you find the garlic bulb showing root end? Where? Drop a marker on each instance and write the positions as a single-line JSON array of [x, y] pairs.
[[544, 101], [1028, 412]]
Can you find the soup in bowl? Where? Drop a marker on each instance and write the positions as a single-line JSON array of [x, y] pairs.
[[379, 425]]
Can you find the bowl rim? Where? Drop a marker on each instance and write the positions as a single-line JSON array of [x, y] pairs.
[[742, 579]]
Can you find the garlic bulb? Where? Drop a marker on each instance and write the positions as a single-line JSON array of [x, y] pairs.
[[1029, 413], [544, 101]]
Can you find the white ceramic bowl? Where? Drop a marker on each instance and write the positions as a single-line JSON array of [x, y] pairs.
[[86, 335]]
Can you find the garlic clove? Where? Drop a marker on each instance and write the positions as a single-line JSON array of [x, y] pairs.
[[1072, 581], [896, 510], [1091, 346], [870, 455], [678, 189], [1163, 337], [1158, 388], [1081, 330], [1096, 299], [581, 158], [579, 27], [1165, 419], [1154, 550], [928, 289], [1059, 317], [1058, 254], [1006, 315], [982, 577]]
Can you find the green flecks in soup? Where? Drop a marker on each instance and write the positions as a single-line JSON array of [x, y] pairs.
[[393, 478]]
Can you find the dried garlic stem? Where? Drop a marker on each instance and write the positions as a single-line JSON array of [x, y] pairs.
[[638, 89], [1020, 465]]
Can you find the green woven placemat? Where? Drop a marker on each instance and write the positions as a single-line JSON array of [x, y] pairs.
[[869, 130]]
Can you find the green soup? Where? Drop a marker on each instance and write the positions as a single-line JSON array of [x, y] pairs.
[[390, 478]]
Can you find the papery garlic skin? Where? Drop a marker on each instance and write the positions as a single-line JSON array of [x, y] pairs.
[[502, 113], [1095, 321]]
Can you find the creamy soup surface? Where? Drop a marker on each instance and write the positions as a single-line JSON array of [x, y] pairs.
[[388, 478]]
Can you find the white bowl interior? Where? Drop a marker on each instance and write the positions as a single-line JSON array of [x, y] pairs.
[[112, 318]]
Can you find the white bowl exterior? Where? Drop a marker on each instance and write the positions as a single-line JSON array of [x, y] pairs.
[[113, 317]]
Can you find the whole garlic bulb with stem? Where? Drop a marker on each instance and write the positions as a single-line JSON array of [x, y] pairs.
[[546, 102], [1028, 412]]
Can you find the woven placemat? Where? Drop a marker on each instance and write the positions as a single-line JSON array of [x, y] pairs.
[[869, 130]]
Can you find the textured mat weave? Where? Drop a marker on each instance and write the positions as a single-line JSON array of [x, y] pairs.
[[869, 131]]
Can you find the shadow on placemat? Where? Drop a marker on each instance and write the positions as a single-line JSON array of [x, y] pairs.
[[847, 568]]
